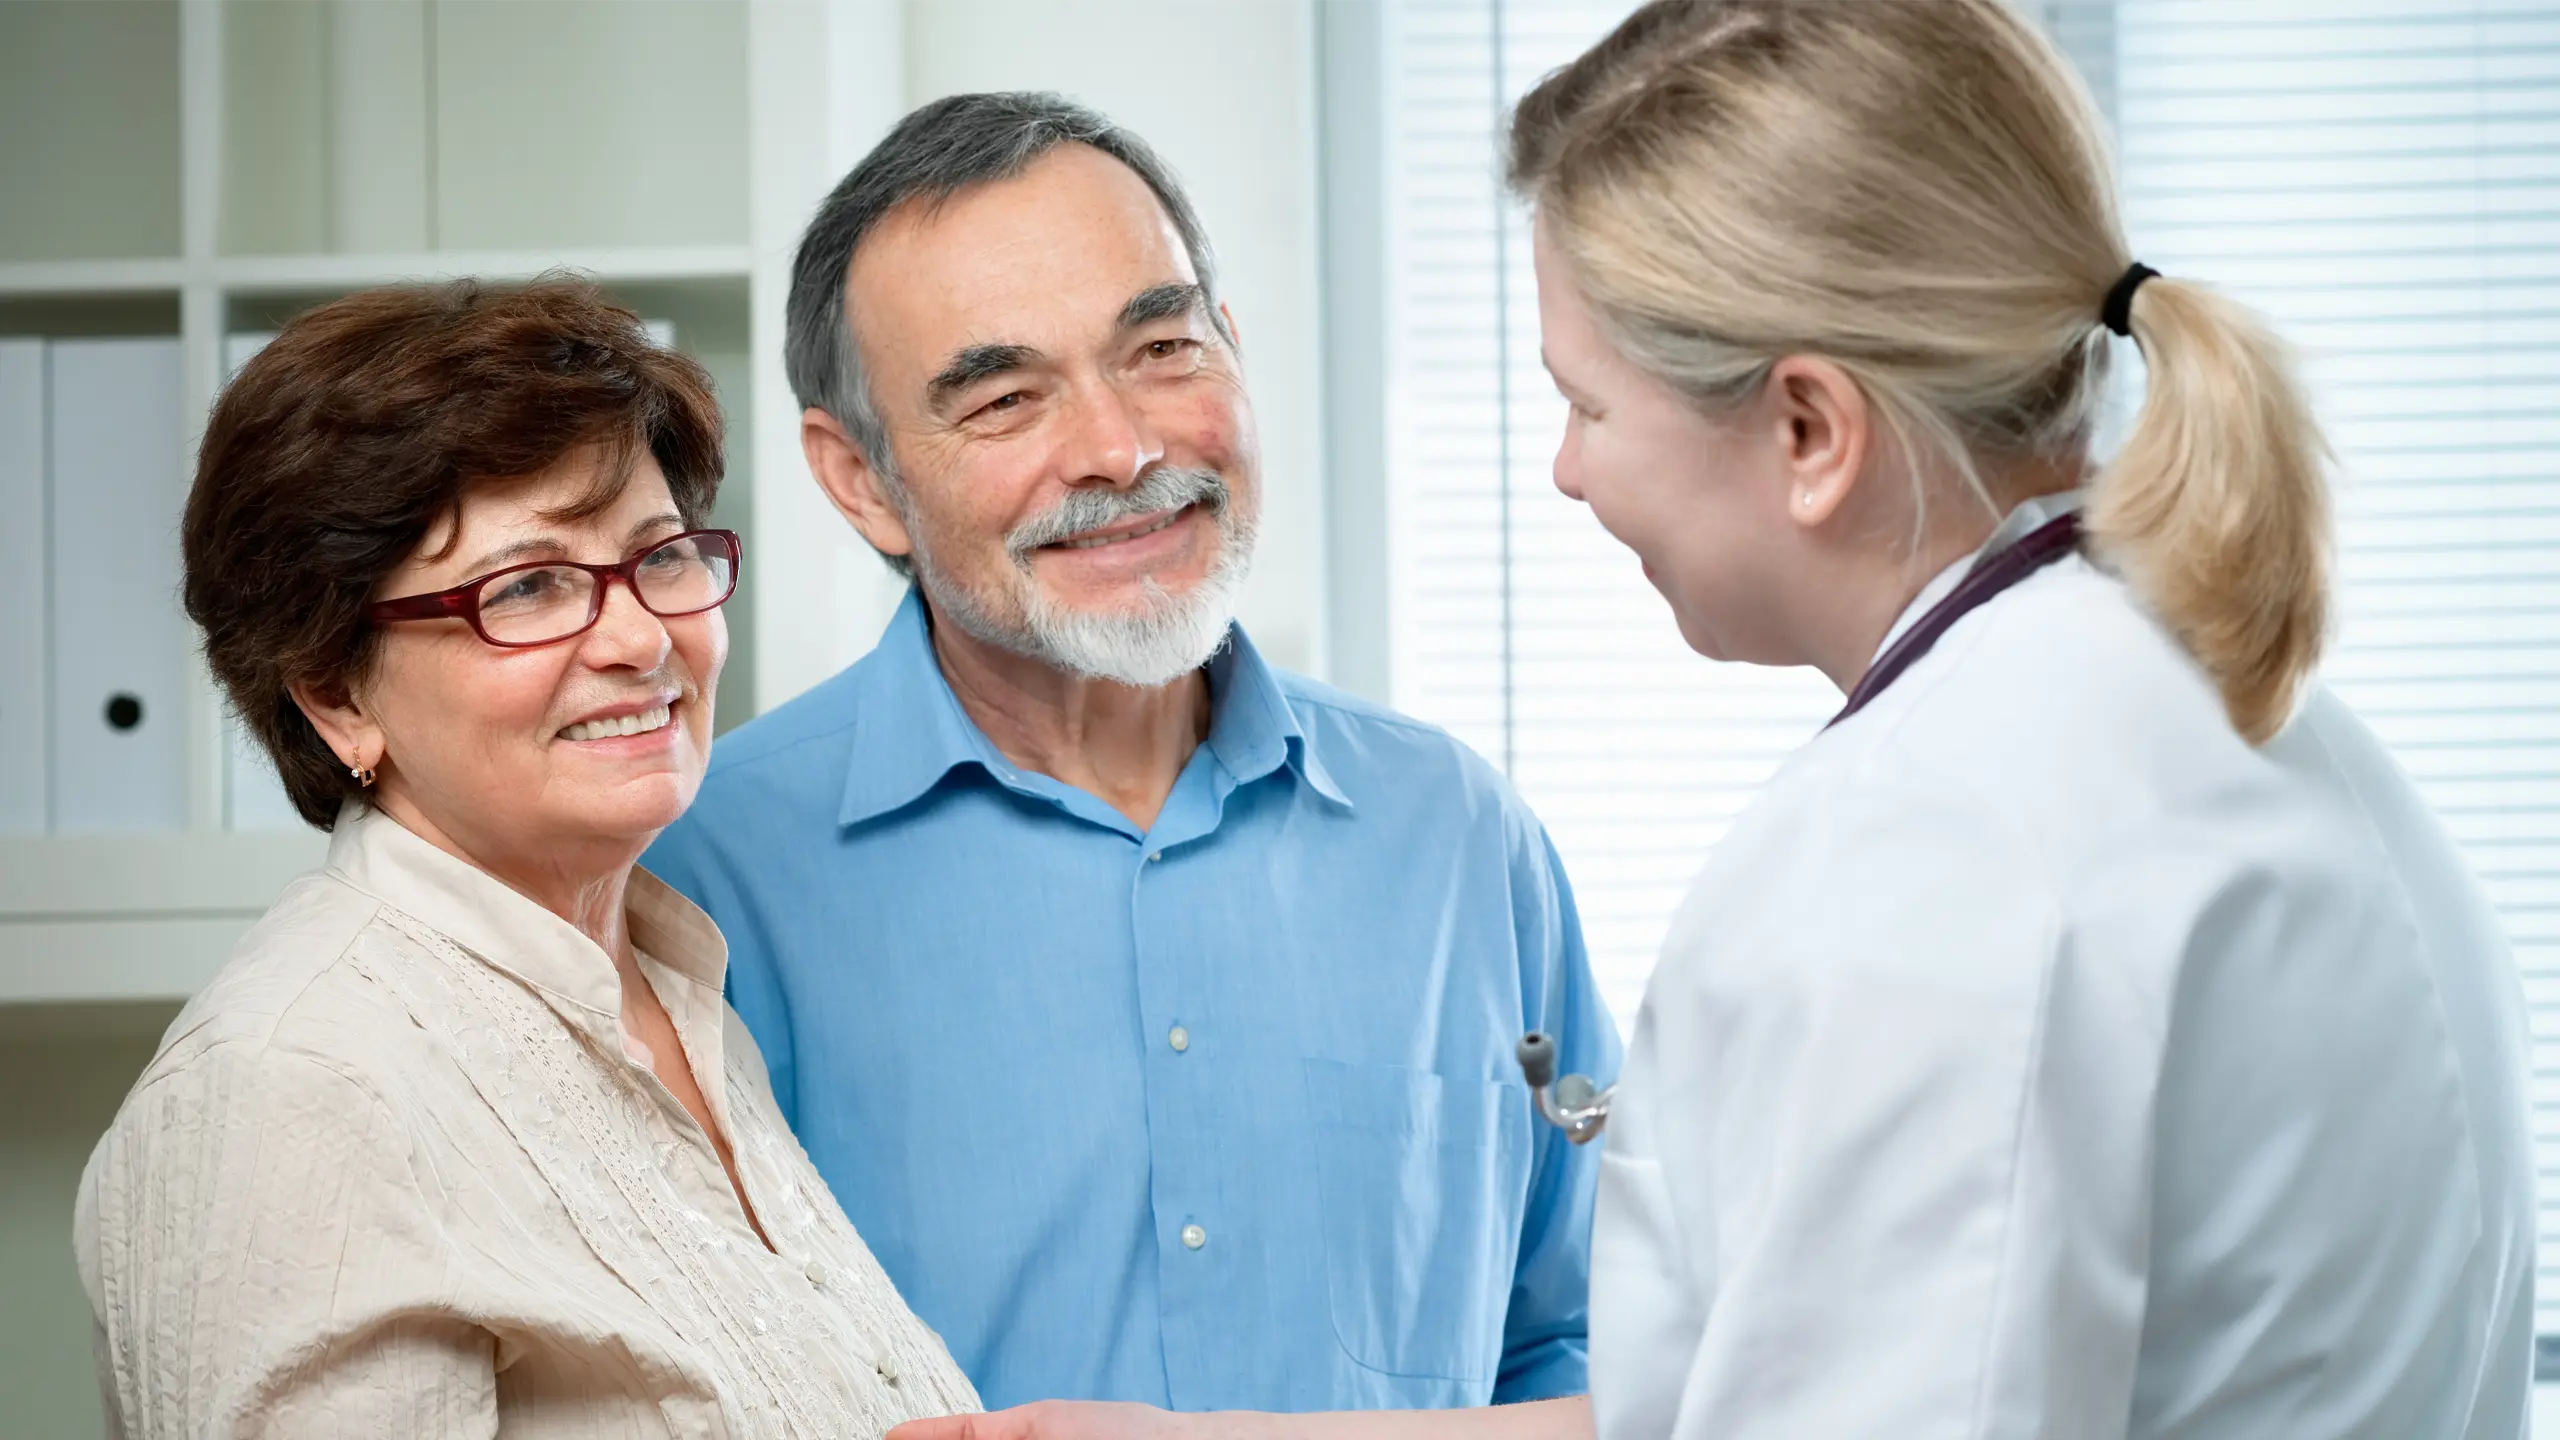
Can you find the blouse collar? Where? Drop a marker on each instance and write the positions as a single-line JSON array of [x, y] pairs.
[[511, 934]]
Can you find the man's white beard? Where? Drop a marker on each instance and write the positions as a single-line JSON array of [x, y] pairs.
[[1165, 638], [1170, 637]]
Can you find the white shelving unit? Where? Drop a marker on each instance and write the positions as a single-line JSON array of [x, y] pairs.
[[194, 168], [200, 168]]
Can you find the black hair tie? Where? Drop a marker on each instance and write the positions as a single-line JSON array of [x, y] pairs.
[[2117, 313]]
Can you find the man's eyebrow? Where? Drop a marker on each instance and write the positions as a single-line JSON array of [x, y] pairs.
[[1162, 302], [976, 363]]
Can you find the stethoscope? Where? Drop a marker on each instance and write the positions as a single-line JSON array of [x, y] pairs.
[[1575, 1104]]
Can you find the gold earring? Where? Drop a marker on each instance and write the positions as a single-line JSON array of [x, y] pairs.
[[363, 775]]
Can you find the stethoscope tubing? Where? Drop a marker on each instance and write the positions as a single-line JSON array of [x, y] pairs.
[[1580, 1107]]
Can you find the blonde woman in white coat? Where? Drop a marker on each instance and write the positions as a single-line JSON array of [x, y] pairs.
[[2091, 1033]]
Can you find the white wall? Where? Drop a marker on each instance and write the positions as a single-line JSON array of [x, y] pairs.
[[831, 81]]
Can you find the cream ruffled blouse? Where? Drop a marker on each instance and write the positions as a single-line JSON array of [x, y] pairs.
[[395, 1172]]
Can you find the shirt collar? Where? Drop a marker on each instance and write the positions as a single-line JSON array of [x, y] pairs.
[[1253, 729], [2029, 515], [909, 730], [510, 933]]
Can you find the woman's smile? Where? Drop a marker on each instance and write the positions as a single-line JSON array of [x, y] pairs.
[[648, 721]]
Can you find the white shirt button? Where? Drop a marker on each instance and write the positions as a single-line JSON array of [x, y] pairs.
[[1154, 856], [1193, 1237], [1179, 1039], [817, 1274]]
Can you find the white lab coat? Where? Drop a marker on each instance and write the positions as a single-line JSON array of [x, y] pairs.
[[2036, 1058]]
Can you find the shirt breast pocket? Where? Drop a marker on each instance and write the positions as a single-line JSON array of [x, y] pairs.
[[1424, 1179]]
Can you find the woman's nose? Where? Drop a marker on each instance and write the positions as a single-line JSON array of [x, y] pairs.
[[1567, 478], [626, 633]]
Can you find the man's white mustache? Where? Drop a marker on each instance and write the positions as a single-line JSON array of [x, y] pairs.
[[1164, 488]]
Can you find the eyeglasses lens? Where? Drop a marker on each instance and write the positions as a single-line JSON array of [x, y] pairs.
[[529, 607], [688, 574]]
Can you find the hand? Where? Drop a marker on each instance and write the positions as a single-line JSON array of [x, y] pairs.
[[1062, 1420], [1096, 1420]]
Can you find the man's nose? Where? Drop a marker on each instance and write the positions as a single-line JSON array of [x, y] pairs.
[[626, 633], [1110, 439]]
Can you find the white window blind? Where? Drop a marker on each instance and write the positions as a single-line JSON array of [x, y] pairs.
[[2382, 179]]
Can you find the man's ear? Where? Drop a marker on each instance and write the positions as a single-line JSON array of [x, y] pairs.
[[1235, 337], [1825, 427], [343, 722], [853, 483]]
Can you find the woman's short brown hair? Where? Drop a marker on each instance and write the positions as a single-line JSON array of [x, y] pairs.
[[334, 452]]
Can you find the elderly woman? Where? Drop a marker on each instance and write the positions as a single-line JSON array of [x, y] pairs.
[[463, 1140]]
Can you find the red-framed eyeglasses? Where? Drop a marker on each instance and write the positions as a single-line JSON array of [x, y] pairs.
[[548, 601]]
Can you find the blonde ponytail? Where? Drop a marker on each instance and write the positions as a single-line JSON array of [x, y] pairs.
[[1921, 193], [2217, 508]]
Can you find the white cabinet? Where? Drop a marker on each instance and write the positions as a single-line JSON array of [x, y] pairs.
[[197, 170], [89, 103], [407, 126], [206, 168]]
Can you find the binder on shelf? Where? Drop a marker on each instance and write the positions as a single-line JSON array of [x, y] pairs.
[[23, 716], [120, 642], [252, 797]]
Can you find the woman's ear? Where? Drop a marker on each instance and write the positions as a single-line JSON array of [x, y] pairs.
[[1825, 429], [343, 722]]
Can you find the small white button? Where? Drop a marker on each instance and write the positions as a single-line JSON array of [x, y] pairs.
[[817, 1274], [887, 1370], [1155, 856], [1179, 1039], [1193, 1237]]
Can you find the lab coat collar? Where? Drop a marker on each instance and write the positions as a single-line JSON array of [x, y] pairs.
[[2026, 517], [910, 730]]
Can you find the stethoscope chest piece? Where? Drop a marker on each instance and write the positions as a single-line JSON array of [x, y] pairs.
[[1573, 1104]]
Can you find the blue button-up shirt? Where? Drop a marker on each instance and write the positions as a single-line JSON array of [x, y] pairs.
[[1220, 1114]]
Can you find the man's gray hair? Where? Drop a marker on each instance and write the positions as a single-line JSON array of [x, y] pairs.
[[936, 152]]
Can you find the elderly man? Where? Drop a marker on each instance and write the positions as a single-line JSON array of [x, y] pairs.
[[1150, 1010]]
